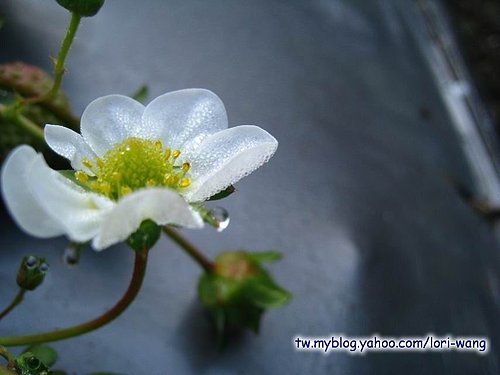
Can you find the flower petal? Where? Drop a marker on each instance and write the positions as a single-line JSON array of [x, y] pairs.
[[163, 206], [185, 115], [70, 145], [226, 157], [23, 206], [109, 120], [79, 213]]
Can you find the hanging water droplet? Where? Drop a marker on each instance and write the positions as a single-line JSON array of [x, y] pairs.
[[30, 262], [44, 267], [221, 217], [71, 255]]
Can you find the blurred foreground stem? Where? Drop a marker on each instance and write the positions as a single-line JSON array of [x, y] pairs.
[[13, 115]]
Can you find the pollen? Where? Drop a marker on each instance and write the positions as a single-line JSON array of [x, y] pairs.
[[134, 164]]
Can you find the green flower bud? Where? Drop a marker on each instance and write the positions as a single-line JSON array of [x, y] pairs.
[[238, 291], [145, 237], [31, 272], [84, 8]]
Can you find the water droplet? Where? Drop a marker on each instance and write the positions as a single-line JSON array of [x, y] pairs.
[[71, 255], [44, 267], [31, 262], [221, 217]]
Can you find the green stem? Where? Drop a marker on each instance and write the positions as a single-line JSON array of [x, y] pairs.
[[5, 354], [9, 358], [16, 301], [63, 52], [61, 58], [190, 249], [12, 114], [129, 296]]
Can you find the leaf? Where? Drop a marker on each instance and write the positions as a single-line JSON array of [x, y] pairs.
[[265, 256], [223, 194], [44, 353], [141, 94], [267, 296]]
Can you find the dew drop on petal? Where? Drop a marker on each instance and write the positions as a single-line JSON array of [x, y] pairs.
[[221, 217], [71, 255]]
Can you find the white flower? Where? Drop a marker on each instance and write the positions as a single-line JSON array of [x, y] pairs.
[[132, 163]]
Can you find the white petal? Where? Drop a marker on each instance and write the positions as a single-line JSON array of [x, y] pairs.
[[24, 208], [79, 213], [185, 115], [70, 145], [163, 206], [227, 156], [109, 120]]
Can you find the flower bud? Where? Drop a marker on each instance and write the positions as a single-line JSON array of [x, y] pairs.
[[238, 291], [31, 272], [84, 8]]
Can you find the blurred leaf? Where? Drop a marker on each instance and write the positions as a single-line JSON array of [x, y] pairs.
[[223, 194], [266, 296], [265, 256], [44, 353], [141, 95]]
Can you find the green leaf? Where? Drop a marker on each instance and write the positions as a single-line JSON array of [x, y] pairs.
[[223, 194], [265, 256], [141, 94], [267, 295], [44, 353], [84, 8]]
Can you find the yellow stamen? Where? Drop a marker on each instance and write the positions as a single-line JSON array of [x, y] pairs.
[[87, 163], [185, 182], [167, 153], [81, 177], [124, 190], [175, 154], [185, 167], [117, 176], [105, 187]]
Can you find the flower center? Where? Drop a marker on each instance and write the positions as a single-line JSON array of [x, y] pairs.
[[134, 164]]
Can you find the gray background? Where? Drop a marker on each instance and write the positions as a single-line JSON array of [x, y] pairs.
[[358, 198]]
